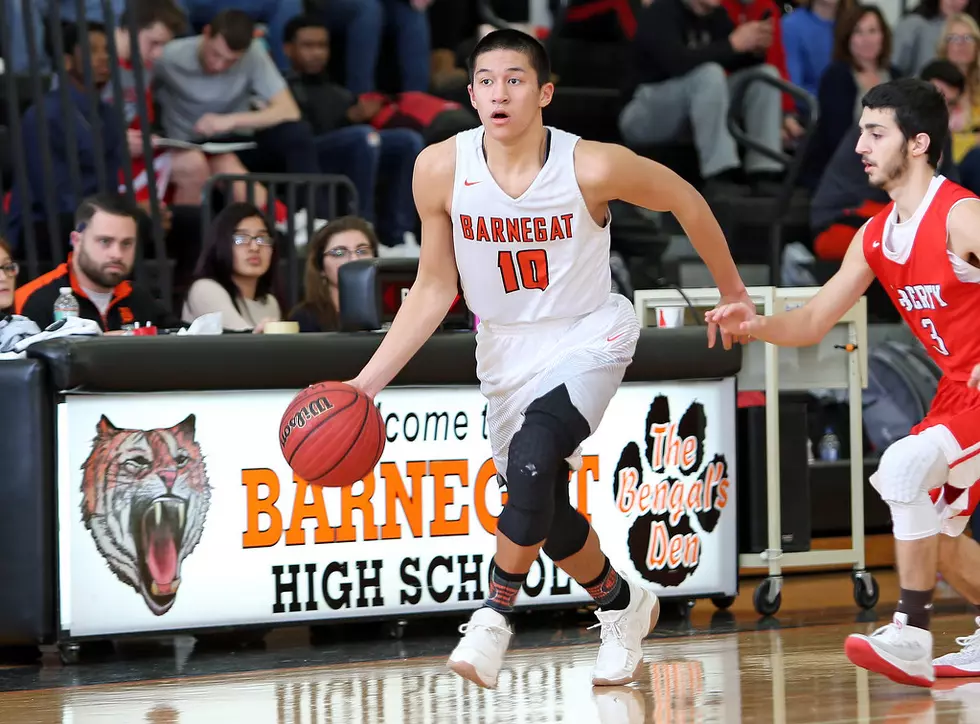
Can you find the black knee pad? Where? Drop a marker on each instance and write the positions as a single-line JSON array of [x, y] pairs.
[[555, 410], [531, 464], [553, 428], [569, 528]]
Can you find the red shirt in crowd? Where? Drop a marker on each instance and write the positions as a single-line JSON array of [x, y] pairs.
[[741, 12]]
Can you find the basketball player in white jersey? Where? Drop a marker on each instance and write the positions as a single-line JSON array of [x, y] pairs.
[[518, 213]]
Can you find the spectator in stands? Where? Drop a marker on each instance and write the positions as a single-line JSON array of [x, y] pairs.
[[8, 278], [808, 36], [342, 240], [745, 11], [844, 200], [363, 24], [347, 142], [273, 13], [207, 85], [959, 45], [159, 22], [83, 105], [919, 33], [686, 53], [237, 272], [97, 270], [18, 57], [862, 47]]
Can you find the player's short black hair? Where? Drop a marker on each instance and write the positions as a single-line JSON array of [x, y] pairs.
[[511, 39], [919, 108]]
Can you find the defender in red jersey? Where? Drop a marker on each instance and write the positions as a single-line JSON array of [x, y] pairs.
[[924, 248]]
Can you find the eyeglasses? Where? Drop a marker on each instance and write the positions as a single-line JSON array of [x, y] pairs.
[[960, 39], [11, 270], [342, 252], [246, 239]]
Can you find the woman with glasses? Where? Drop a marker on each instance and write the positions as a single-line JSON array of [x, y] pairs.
[[343, 240], [960, 45], [236, 274], [8, 279]]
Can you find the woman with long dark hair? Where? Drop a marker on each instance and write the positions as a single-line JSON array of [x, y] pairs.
[[237, 272], [342, 240]]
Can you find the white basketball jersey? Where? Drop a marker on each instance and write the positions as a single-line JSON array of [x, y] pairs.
[[536, 257]]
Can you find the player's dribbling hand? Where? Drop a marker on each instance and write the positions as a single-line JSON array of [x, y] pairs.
[[358, 385], [974, 380], [736, 318]]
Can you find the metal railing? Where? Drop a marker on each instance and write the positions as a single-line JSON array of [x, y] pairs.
[[33, 87], [793, 164], [305, 188]]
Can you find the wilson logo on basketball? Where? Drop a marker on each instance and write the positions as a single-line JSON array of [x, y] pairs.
[[308, 413], [681, 499]]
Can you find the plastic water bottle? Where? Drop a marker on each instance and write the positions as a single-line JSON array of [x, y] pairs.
[[65, 305], [829, 445]]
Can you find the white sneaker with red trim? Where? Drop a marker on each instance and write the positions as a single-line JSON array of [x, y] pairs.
[[963, 663], [901, 652]]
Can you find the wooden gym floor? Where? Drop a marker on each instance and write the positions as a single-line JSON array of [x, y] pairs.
[[706, 667]]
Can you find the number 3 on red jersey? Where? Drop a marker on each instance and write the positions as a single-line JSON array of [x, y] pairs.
[[527, 269], [939, 345]]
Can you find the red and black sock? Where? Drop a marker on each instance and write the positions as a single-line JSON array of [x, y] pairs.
[[609, 590], [917, 605], [504, 588]]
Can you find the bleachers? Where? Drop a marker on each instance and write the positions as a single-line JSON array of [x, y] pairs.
[[587, 102]]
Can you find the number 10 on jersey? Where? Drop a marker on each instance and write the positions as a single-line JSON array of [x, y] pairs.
[[525, 269]]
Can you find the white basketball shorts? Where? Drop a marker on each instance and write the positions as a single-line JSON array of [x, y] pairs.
[[518, 363]]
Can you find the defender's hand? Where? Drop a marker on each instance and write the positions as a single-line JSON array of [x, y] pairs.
[[736, 317]]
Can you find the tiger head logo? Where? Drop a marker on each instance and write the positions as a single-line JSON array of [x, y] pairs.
[[145, 497]]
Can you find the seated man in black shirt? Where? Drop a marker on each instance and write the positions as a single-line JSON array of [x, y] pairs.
[[347, 144], [686, 54], [97, 270]]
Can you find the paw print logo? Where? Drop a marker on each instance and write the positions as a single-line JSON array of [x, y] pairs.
[[672, 496]]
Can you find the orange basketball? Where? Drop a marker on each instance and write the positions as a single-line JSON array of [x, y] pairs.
[[331, 434]]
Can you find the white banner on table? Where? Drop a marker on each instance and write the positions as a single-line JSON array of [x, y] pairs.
[[178, 511]]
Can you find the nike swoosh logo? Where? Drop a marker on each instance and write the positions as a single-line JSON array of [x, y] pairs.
[[613, 339], [470, 183], [875, 245]]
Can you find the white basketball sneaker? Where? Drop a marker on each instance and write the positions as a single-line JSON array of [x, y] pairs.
[[963, 663], [622, 633], [480, 654], [901, 652]]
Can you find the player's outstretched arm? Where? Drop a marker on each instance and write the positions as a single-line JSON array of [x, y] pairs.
[[436, 285], [613, 172], [609, 172], [808, 324]]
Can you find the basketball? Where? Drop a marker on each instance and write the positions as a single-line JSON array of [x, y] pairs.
[[331, 434]]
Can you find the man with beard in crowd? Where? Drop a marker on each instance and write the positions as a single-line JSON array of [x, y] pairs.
[[98, 268]]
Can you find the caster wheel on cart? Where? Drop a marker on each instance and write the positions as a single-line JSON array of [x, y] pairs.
[[723, 602], [768, 597], [865, 590], [70, 654]]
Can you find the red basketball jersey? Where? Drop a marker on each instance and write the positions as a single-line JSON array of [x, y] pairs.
[[938, 307]]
